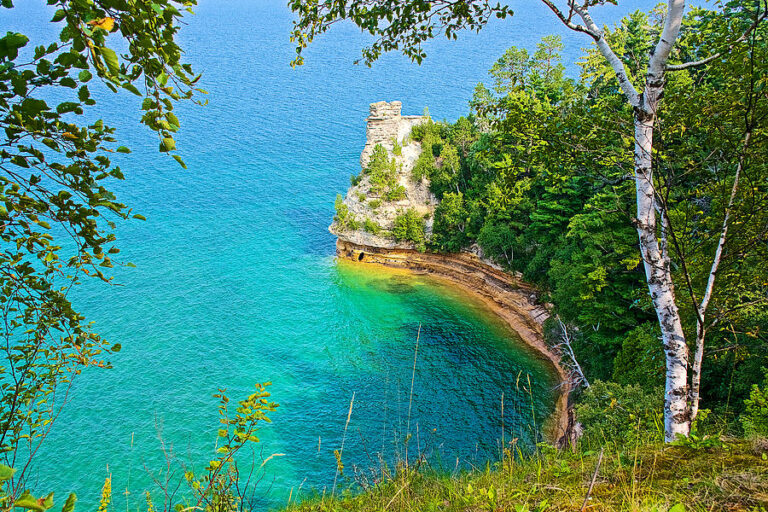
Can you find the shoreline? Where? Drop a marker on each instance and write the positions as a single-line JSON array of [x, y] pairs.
[[510, 299]]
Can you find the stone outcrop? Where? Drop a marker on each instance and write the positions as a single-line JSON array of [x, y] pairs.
[[513, 300], [387, 127]]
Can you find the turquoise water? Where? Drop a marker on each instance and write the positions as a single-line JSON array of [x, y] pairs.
[[236, 280]]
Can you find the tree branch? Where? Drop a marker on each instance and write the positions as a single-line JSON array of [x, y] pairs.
[[605, 49], [567, 20], [692, 64]]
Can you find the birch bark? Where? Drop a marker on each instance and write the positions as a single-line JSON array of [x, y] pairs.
[[701, 327], [656, 262]]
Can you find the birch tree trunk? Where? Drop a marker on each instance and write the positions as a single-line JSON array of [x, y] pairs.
[[656, 262], [701, 327], [659, 277]]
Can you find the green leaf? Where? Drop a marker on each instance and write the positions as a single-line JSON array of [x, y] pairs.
[[167, 144], [171, 117], [69, 506], [58, 16], [677, 508], [139, 216], [132, 88], [67, 106], [116, 347], [110, 59], [180, 160], [85, 75], [26, 500], [6, 472], [13, 41], [123, 149]]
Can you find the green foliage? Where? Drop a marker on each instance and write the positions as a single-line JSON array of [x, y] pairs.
[[463, 134], [409, 227], [754, 420], [218, 487], [450, 223], [397, 148], [423, 167], [58, 213], [372, 227], [641, 358], [612, 413], [428, 132], [374, 203], [394, 25], [382, 173], [641, 476], [395, 193], [344, 218]]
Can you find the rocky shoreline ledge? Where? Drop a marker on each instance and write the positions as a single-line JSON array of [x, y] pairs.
[[512, 300]]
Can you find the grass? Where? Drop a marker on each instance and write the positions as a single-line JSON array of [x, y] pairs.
[[645, 477]]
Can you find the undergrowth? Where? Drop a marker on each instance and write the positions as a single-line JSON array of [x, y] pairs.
[[732, 475]]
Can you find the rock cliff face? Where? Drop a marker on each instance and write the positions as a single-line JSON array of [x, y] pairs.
[[513, 300], [387, 127]]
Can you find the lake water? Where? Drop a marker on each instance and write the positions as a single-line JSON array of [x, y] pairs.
[[236, 280]]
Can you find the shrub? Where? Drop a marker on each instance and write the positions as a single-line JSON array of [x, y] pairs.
[[450, 221], [395, 193], [372, 227], [610, 412], [641, 358], [428, 129], [374, 203], [354, 179], [754, 420], [343, 217], [409, 227], [361, 197], [397, 148], [424, 166], [382, 171]]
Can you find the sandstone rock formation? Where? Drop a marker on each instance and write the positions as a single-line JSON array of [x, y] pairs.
[[386, 126]]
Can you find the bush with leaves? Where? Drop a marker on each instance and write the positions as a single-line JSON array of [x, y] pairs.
[[382, 174], [754, 419], [344, 218], [219, 487], [641, 358], [450, 223], [612, 413], [409, 227], [58, 213], [372, 227], [423, 167]]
